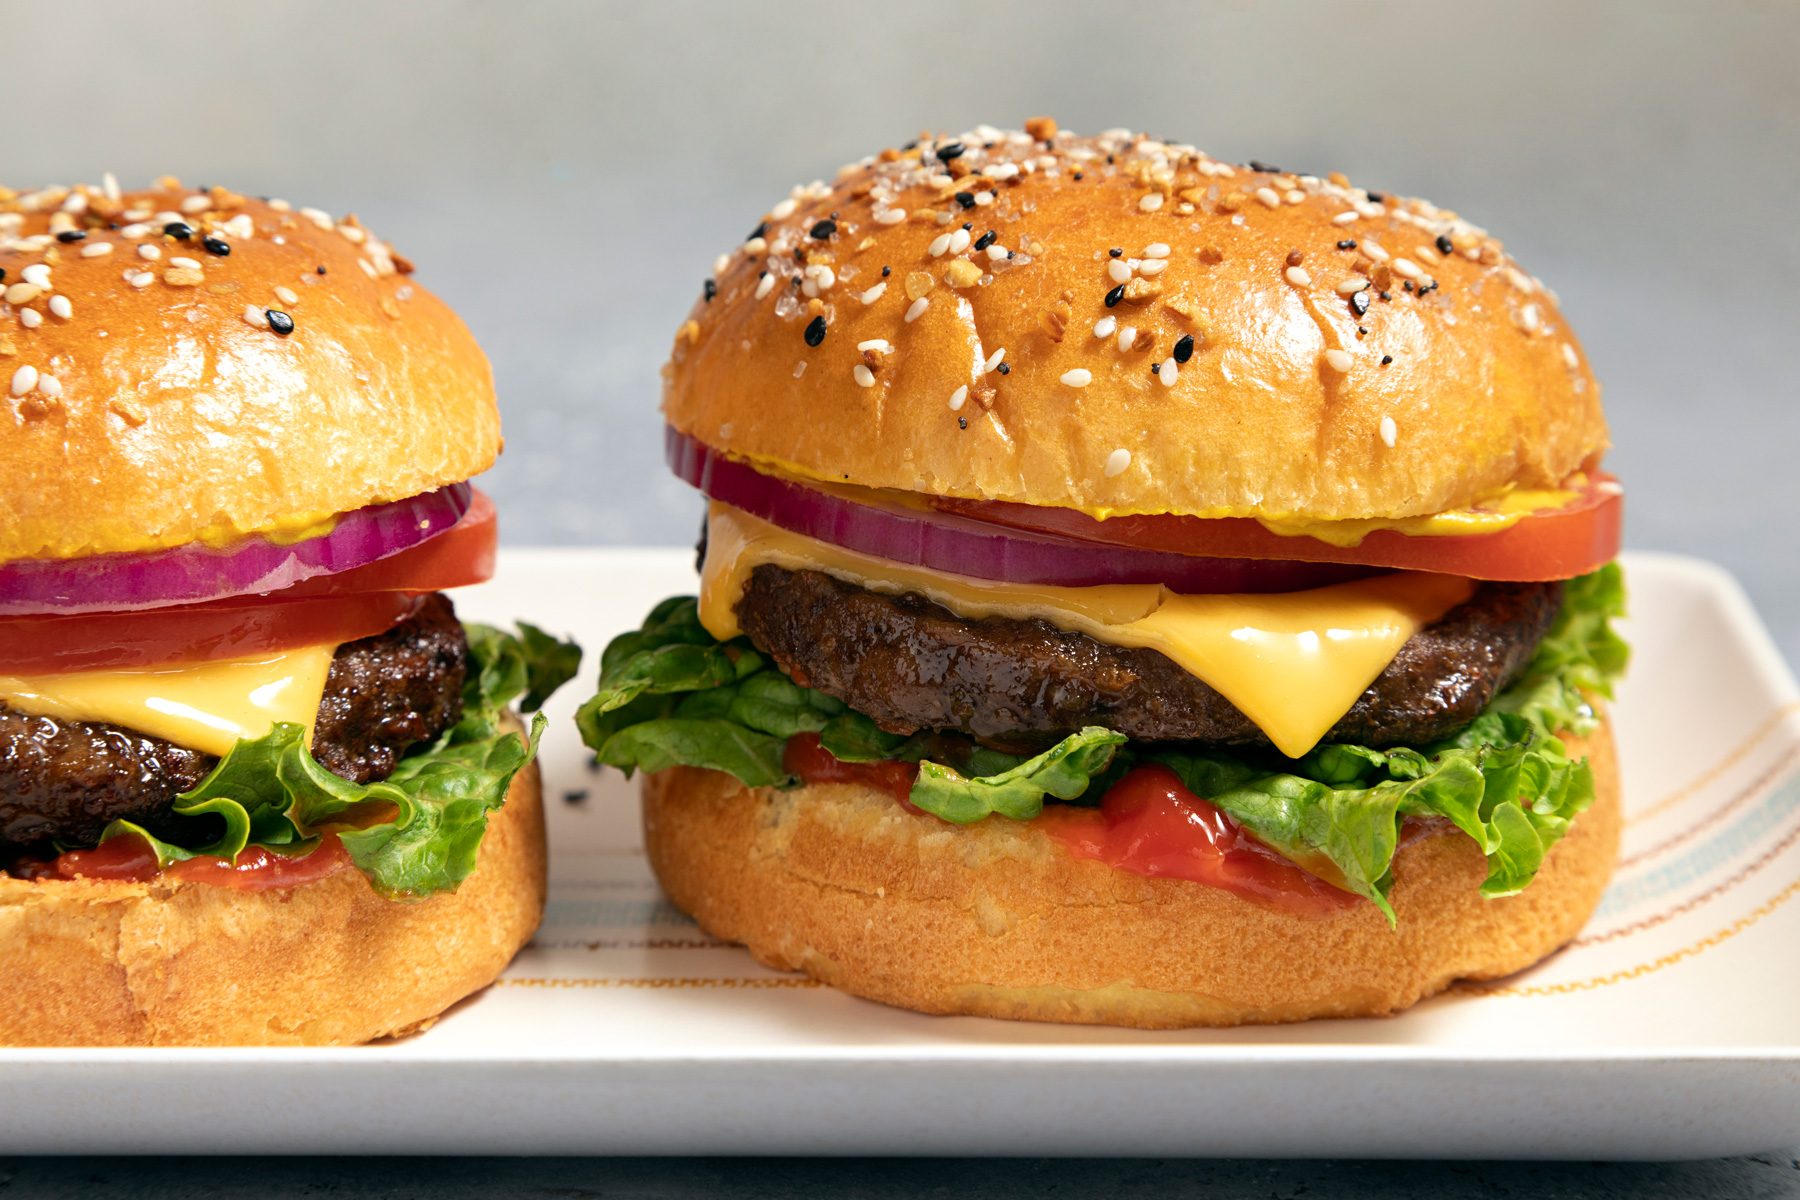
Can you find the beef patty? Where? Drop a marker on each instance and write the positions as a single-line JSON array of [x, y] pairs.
[[67, 779], [910, 664]]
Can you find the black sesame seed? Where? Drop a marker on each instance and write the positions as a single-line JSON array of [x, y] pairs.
[[1184, 347], [216, 245], [1406, 285], [985, 240], [824, 229], [1444, 245], [962, 422], [762, 227], [280, 322], [575, 796], [1359, 303], [1004, 368], [1078, 177], [1362, 331], [71, 235], [886, 271], [966, 199], [710, 289], [2, 274], [1374, 197], [1387, 295], [968, 226], [1115, 252], [815, 331], [1156, 368], [950, 151], [1265, 167], [1347, 244], [1430, 287], [321, 270], [1113, 297], [179, 229], [1386, 359]]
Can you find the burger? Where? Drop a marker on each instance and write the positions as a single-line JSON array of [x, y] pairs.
[[258, 784], [1136, 589]]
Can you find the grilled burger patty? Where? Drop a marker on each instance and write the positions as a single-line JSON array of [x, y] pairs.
[[66, 780], [910, 664]]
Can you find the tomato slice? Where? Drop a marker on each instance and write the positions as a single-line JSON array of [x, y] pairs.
[[235, 628], [335, 608], [1555, 544], [461, 555]]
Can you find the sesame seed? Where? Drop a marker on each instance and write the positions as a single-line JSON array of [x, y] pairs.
[[24, 380], [814, 332], [190, 263], [179, 229], [1374, 251], [1568, 353], [1184, 348], [1389, 432], [1168, 372], [1127, 336], [784, 210], [765, 285], [30, 318], [1445, 245], [1113, 297], [1269, 196], [939, 244], [1157, 250], [985, 240], [196, 204], [256, 317], [959, 241], [1299, 277], [994, 360], [1406, 268], [142, 279], [1080, 377], [1351, 284], [823, 229], [917, 309], [863, 376], [149, 252], [1118, 271], [1339, 360], [1151, 203], [49, 385], [287, 295], [878, 345], [1152, 266], [875, 293], [890, 216], [1117, 462], [958, 397], [1105, 325], [721, 263], [799, 368], [37, 273], [22, 293], [61, 307], [96, 249], [1345, 217], [1529, 319], [71, 235], [998, 253], [280, 322]]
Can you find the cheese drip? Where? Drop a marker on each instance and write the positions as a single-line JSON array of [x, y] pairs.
[[207, 706], [1292, 662]]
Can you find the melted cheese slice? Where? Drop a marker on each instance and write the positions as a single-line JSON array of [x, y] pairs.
[[202, 706], [1293, 662]]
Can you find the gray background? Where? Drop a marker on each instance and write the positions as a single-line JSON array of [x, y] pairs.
[[564, 174]]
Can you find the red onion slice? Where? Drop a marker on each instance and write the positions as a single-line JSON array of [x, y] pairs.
[[193, 573], [964, 546]]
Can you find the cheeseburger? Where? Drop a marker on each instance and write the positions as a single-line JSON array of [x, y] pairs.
[[1136, 589], [258, 784]]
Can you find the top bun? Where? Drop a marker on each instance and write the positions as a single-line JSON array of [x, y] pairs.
[[1088, 262], [148, 399]]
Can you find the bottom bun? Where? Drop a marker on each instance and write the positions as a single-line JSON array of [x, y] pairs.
[[997, 920], [99, 963]]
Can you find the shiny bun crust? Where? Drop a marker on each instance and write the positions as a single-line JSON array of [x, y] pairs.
[[997, 920], [325, 963], [949, 318], [146, 402]]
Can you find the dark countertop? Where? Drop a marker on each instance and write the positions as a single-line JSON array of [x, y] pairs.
[[1768, 1175]]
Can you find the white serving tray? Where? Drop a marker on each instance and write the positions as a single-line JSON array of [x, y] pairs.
[[1670, 1029]]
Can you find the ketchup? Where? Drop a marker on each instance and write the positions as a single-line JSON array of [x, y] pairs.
[[130, 860], [806, 757], [1150, 824]]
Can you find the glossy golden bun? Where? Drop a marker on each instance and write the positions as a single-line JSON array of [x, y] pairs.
[[997, 920], [1282, 409], [92, 963], [169, 412]]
